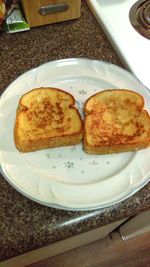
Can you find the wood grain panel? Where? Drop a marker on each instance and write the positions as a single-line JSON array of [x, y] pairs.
[[132, 253], [33, 17]]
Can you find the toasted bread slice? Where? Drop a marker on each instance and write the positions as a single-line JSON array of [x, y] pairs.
[[46, 118], [115, 121]]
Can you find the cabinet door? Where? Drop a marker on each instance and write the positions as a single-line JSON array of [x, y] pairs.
[[41, 12], [136, 226]]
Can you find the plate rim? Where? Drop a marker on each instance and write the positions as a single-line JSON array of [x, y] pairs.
[[72, 59]]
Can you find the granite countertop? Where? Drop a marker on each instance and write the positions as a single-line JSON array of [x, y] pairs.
[[18, 53]]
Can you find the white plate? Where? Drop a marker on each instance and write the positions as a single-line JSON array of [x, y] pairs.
[[66, 177]]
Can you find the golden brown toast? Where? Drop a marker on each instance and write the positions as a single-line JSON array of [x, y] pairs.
[[115, 121], [46, 118]]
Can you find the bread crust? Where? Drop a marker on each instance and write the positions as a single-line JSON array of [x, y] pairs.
[[86, 109], [105, 133], [46, 124]]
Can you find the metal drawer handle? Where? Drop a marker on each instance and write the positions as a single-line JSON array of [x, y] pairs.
[[53, 8]]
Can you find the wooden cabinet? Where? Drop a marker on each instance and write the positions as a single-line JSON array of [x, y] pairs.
[[136, 226], [41, 12]]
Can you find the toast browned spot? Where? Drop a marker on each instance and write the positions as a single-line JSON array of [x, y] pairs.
[[115, 121], [46, 118]]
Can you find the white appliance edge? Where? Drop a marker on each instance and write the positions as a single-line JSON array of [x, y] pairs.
[[132, 48]]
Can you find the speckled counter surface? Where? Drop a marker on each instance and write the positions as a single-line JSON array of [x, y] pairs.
[[25, 225]]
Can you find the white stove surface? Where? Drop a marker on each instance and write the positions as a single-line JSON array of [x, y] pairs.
[[132, 48]]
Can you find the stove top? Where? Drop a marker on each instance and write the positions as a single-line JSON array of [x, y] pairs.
[[127, 26], [139, 16]]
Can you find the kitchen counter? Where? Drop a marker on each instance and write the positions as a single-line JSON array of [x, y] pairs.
[[24, 224]]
